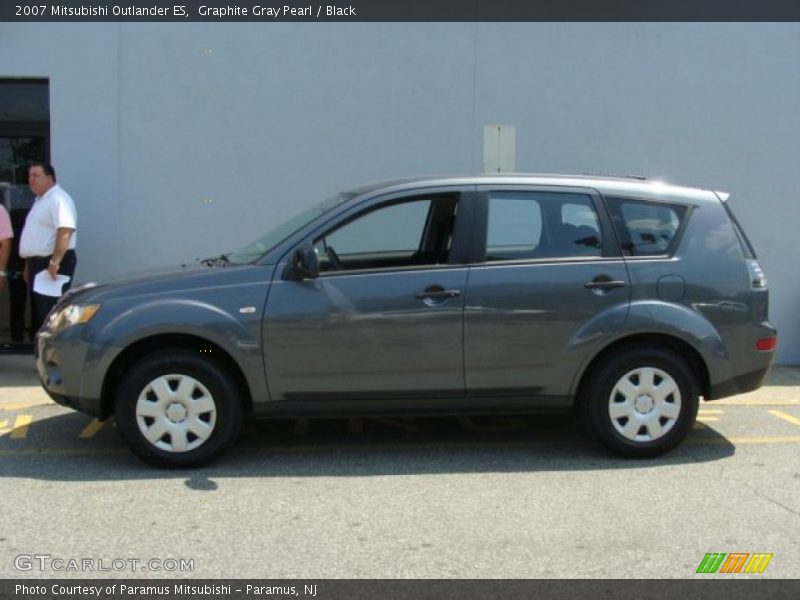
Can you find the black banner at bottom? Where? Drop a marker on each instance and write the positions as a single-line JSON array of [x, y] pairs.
[[401, 589]]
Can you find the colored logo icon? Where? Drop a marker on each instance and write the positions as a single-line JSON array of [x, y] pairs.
[[733, 563]]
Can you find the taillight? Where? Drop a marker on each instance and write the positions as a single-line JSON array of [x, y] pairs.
[[758, 281], [767, 344]]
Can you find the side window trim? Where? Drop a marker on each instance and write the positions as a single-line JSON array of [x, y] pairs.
[[610, 247]]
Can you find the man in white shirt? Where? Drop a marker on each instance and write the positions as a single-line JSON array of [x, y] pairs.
[[48, 238]]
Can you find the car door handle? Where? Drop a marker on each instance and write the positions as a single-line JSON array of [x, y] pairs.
[[604, 283], [437, 294]]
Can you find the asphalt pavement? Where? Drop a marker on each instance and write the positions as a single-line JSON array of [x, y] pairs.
[[500, 497]]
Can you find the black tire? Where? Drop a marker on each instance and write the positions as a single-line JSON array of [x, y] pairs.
[[206, 383], [674, 413]]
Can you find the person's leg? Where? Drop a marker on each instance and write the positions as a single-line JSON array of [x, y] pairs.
[[17, 294], [40, 304]]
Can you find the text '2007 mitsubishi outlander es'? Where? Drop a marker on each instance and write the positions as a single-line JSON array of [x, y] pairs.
[[626, 299]]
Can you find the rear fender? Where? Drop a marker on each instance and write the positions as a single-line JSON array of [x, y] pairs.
[[649, 317]]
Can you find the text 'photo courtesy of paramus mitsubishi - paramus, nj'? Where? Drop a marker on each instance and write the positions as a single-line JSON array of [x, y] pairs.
[[625, 299]]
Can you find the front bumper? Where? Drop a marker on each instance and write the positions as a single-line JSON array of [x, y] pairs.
[[90, 406], [63, 371]]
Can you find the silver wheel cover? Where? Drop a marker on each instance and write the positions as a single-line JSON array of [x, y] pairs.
[[176, 413], [645, 404]]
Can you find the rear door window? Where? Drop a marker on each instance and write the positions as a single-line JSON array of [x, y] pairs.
[[645, 228], [540, 225], [515, 227]]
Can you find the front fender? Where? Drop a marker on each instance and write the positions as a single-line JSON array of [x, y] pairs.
[[240, 339]]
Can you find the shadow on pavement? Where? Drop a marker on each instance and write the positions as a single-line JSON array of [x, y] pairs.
[[365, 447]]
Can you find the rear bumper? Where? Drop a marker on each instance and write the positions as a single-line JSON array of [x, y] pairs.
[[740, 384], [747, 367]]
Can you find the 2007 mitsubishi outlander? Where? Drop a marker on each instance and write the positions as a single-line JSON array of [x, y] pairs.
[[626, 299]]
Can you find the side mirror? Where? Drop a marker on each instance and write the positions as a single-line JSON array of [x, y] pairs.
[[306, 262]]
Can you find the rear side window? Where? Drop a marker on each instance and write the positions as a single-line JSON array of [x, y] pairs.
[[645, 228]]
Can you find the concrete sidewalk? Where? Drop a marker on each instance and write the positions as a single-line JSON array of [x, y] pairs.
[[20, 385]]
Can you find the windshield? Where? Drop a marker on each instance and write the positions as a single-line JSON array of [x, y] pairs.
[[275, 236]]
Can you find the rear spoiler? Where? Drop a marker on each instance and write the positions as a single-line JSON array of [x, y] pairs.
[[723, 196]]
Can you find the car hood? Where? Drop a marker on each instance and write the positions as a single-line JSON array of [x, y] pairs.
[[169, 280]]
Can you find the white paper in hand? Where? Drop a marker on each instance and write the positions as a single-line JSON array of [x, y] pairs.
[[47, 286]]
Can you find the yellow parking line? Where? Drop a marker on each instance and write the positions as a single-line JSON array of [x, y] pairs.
[[91, 429], [788, 439], [735, 402], [782, 415], [703, 419], [20, 430], [61, 451], [22, 405]]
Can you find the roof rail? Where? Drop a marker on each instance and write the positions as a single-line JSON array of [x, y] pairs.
[[636, 177]]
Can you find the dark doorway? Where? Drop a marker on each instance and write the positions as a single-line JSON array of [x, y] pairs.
[[24, 138]]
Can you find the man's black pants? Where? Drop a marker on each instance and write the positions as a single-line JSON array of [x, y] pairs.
[[18, 297], [41, 304]]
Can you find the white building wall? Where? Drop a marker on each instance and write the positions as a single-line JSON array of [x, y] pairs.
[[186, 140]]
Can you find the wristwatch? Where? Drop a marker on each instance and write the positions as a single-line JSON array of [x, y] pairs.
[[55, 264], [3, 273]]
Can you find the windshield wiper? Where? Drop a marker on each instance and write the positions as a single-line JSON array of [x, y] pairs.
[[218, 261]]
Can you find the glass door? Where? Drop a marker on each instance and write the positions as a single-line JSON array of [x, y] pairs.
[[24, 138]]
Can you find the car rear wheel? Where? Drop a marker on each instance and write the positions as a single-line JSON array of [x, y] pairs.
[[175, 409], [641, 402]]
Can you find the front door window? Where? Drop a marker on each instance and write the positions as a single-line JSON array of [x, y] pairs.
[[403, 234]]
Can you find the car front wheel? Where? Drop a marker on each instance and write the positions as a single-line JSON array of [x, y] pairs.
[[176, 409], [641, 402]]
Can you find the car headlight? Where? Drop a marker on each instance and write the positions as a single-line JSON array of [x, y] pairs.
[[71, 314]]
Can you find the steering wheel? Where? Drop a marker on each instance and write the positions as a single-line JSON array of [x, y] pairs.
[[334, 258]]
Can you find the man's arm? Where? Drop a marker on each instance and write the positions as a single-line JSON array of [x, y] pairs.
[[62, 245]]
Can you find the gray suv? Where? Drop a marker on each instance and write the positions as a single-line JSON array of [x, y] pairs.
[[625, 299]]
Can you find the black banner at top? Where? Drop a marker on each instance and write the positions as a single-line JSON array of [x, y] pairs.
[[397, 10]]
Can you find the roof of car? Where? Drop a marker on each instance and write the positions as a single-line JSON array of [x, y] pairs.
[[615, 185]]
